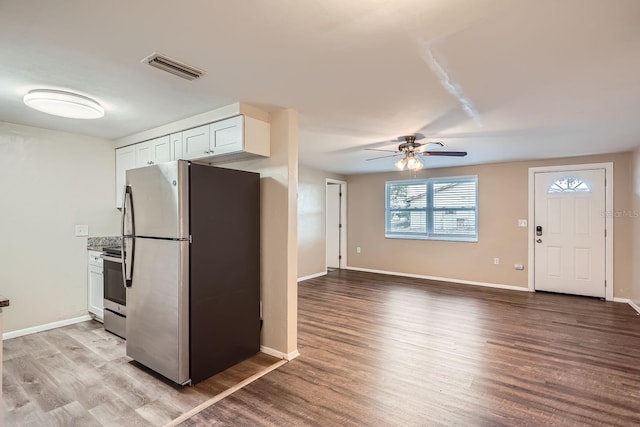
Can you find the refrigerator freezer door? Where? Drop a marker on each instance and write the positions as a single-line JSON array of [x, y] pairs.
[[158, 201], [158, 308]]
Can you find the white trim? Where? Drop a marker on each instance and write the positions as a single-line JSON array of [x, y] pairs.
[[224, 394], [279, 354], [622, 300], [343, 220], [635, 306], [312, 276], [608, 167], [45, 327], [442, 279]]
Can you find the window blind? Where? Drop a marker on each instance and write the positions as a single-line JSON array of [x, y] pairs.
[[436, 208]]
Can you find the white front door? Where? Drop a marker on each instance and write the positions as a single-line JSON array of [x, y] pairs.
[[569, 232]]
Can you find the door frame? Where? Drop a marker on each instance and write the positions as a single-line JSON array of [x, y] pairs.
[[343, 221], [608, 245]]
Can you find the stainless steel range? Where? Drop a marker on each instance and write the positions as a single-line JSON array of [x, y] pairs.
[[115, 293]]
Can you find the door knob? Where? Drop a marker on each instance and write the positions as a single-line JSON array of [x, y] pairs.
[[539, 240]]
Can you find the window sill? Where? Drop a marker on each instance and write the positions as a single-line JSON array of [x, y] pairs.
[[439, 238]]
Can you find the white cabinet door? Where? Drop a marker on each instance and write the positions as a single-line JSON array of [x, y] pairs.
[[144, 154], [96, 291], [125, 160], [161, 149], [195, 143], [227, 136], [154, 151], [176, 146]]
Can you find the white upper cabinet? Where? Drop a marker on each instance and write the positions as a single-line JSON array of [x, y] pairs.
[[222, 141], [125, 160], [154, 151], [195, 143], [226, 136], [146, 153], [237, 138]]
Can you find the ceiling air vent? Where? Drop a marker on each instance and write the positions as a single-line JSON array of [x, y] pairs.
[[172, 66]]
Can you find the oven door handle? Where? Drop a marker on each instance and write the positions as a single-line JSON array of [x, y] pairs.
[[127, 271], [112, 259]]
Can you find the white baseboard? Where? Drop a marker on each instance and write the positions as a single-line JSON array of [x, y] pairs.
[[279, 354], [442, 279], [622, 300], [45, 327], [635, 306], [312, 276]]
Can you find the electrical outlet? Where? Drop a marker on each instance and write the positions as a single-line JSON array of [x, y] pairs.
[[358, 250], [82, 230], [518, 266], [496, 261], [522, 223]]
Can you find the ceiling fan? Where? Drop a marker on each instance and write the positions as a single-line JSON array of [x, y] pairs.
[[409, 148]]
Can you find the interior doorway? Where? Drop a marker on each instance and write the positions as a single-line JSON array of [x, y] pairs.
[[336, 224], [570, 231]]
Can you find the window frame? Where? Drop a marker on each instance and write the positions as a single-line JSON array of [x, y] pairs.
[[429, 210]]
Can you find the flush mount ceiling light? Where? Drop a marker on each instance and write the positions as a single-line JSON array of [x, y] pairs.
[[63, 104]]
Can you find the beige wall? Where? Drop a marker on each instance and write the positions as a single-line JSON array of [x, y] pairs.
[[503, 199], [50, 181], [279, 177], [312, 202], [635, 232]]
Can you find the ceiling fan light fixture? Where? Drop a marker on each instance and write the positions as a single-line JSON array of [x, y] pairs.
[[413, 163], [400, 164], [418, 166], [63, 104]]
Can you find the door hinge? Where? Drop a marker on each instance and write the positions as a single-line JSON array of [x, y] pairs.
[[340, 194], [339, 225], [605, 283], [605, 232], [339, 256]]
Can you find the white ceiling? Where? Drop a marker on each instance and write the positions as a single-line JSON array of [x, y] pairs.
[[540, 78]]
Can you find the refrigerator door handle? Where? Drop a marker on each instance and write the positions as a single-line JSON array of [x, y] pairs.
[[127, 254]]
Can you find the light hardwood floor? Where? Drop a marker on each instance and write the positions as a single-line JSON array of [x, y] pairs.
[[381, 350], [79, 376]]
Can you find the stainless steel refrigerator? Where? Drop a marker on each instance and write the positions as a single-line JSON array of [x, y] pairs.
[[191, 243]]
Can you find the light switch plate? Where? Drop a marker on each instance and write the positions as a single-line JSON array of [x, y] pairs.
[[522, 223], [82, 230]]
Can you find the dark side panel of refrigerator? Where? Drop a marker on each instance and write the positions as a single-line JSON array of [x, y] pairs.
[[224, 314]]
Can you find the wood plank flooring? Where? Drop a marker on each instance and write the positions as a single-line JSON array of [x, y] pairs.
[[79, 375], [385, 350]]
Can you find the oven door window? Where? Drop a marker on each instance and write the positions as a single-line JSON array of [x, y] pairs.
[[114, 289]]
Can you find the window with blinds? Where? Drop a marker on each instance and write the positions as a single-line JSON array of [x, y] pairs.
[[436, 208]]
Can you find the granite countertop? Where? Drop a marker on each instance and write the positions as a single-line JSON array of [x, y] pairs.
[[4, 302], [100, 243]]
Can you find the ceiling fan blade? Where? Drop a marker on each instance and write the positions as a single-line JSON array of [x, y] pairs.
[[384, 157], [444, 153], [378, 149]]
